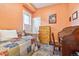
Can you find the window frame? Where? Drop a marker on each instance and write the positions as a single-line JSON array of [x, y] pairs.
[[38, 17], [27, 13]]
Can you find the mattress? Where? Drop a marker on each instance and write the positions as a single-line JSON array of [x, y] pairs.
[[13, 49]]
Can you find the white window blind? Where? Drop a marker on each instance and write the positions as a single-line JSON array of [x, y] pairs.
[[26, 21], [36, 24]]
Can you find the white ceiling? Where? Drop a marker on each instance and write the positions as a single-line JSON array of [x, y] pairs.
[[41, 5]]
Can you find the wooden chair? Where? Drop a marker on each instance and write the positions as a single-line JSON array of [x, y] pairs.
[[55, 44]]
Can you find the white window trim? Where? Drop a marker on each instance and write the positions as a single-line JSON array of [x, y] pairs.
[[26, 12], [40, 22]]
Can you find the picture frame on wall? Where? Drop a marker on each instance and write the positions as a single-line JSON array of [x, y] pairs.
[[52, 19], [75, 15]]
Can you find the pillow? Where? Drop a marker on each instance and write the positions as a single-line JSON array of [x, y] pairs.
[[7, 35]]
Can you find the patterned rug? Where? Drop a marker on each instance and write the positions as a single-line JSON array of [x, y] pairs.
[[47, 50]]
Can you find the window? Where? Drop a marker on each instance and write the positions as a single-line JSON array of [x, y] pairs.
[[26, 21], [26, 18], [36, 24]]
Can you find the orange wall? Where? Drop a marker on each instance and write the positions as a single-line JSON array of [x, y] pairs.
[[72, 8], [11, 16], [61, 10]]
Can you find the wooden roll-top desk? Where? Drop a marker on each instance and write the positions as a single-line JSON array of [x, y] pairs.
[[69, 39]]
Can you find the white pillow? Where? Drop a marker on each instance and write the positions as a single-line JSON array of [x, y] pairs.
[[7, 34]]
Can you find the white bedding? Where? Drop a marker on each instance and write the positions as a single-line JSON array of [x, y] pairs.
[[24, 43], [23, 46], [7, 35]]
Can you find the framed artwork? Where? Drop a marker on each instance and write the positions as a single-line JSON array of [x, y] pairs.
[[75, 15], [52, 19]]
